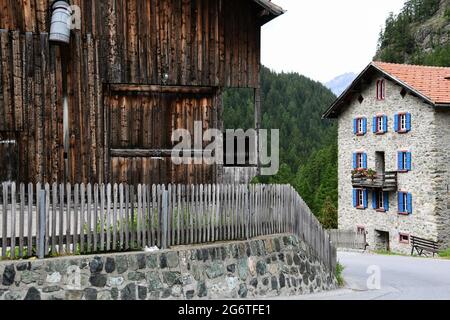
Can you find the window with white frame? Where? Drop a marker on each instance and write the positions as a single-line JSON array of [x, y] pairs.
[[380, 124], [360, 160], [381, 90], [402, 122], [404, 202], [360, 198]]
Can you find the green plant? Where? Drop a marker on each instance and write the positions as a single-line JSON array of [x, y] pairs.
[[340, 274], [371, 174], [447, 14]]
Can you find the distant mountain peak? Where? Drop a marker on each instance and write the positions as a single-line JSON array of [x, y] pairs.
[[340, 83]]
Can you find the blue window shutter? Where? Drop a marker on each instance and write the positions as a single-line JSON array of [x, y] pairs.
[[374, 125], [364, 160], [355, 161], [410, 203], [400, 202], [386, 201], [366, 199], [409, 161], [355, 198], [364, 120], [396, 123], [374, 200], [355, 126], [400, 161], [385, 129], [408, 122]]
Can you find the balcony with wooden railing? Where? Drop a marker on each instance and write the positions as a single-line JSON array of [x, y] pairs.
[[385, 182]]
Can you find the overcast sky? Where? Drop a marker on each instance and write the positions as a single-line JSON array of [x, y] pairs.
[[322, 39]]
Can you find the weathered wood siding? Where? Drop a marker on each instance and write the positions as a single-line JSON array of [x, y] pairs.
[[143, 122], [208, 43], [196, 42]]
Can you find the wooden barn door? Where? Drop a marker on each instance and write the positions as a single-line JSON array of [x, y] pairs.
[[9, 157], [141, 122]]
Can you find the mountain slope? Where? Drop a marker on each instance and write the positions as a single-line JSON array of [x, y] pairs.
[[419, 34], [340, 83]]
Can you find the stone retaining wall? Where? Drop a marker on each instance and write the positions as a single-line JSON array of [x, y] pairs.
[[264, 267]]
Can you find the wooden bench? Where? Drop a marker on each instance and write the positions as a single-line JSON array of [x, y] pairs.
[[423, 245]]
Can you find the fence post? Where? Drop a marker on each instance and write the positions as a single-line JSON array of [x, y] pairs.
[[42, 223], [165, 205]]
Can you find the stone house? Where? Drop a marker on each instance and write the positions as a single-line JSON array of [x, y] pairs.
[[394, 160]]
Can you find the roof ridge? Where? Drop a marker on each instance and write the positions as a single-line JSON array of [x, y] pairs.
[[410, 65]]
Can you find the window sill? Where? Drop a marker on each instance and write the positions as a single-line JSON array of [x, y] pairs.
[[381, 210], [380, 133], [405, 242], [360, 134], [403, 213], [360, 208], [403, 171]]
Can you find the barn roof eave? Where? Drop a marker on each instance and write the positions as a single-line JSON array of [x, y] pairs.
[[270, 10]]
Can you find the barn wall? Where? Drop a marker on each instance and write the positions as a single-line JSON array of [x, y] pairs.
[[195, 42]]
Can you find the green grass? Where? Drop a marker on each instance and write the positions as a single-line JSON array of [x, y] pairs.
[[445, 254], [389, 253], [339, 274]]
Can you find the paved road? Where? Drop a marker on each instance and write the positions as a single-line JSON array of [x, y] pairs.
[[401, 278]]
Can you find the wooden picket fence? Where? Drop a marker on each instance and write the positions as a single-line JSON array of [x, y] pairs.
[[63, 219]]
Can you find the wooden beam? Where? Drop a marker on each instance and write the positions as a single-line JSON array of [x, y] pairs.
[[133, 88], [150, 153]]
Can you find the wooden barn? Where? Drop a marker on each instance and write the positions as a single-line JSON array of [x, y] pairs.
[[103, 108]]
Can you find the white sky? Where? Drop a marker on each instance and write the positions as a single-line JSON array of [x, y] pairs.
[[322, 39]]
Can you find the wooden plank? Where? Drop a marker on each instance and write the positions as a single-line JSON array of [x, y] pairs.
[[4, 218], [116, 221], [108, 217], [61, 219], [13, 221], [7, 114], [153, 214], [132, 89], [53, 213], [121, 216], [17, 81], [21, 219], [202, 227], [37, 217], [213, 212], [191, 214], [95, 216], [145, 211], [86, 195], [239, 211], [127, 217], [30, 220], [69, 238], [139, 217], [102, 217], [77, 218], [132, 218], [169, 215], [85, 220], [209, 206], [184, 212], [180, 214]]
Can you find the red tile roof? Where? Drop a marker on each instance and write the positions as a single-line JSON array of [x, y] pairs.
[[431, 82]]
